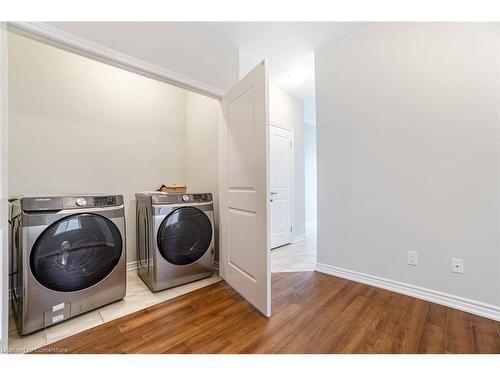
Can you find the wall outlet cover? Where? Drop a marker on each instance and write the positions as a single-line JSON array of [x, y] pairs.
[[457, 265], [412, 258]]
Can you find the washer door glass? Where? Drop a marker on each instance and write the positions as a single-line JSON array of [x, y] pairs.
[[184, 235], [76, 252]]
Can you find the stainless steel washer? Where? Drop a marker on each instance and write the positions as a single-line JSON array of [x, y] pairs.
[[175, 238], [67, 256]]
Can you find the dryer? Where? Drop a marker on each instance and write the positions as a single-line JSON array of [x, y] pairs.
[[67, 257], [175, 238]]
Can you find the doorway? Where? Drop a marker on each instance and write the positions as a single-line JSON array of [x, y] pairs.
[[292, 182]]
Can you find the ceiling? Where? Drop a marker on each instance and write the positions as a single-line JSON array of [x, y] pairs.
[[288, 48]]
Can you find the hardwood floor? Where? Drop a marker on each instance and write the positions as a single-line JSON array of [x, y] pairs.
[[312, 313]]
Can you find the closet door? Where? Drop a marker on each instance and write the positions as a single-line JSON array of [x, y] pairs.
[[244, 189]]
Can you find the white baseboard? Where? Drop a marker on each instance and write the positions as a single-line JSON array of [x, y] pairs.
[[131, 266], [299, 238], [456, 302]]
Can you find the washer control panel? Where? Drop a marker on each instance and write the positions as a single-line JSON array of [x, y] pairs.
[[64, 202], [109, 200]]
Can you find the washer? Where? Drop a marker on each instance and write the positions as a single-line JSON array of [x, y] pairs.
[[67, 257], [175, 238]]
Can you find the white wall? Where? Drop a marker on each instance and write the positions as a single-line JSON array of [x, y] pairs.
[[288, 111], [310, 110], [3, 189], [310, 173], [408, 154], [187, 48], [80, 126], [202, 152]]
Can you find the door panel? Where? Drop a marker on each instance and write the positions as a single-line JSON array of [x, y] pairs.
[[241, 229], [241, 166], [281, 182], [244, 149]]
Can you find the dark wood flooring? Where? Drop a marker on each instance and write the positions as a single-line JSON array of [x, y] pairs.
[[312, 313]]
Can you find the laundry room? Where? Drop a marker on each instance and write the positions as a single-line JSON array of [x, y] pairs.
[[78, 126]]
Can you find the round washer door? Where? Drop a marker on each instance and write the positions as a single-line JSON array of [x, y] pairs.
[[184, 236], [76, 252]]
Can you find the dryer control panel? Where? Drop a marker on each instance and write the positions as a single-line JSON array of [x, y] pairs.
[[205, 197], [164, 198]]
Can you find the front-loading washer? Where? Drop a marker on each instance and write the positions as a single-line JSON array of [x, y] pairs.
[[67, 257], [175, 238]]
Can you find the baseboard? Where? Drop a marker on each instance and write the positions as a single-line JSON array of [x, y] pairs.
[[456, 302], [299, 238], [131, 266]]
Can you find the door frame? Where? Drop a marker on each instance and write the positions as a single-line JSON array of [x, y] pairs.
[[292, 177], [4, 226]]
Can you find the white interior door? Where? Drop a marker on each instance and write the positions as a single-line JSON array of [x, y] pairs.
[[243, 189], [281, 186]]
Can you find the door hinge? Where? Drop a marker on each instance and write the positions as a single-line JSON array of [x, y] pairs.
[[291, 229]]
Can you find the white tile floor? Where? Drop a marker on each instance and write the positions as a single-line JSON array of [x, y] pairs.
[[299, 256], [138, 297]]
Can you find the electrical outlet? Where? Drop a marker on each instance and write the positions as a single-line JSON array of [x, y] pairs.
[[412, 258], [457, 265]]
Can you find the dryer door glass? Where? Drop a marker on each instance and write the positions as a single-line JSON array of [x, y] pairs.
[[76, 252], [184, 235]]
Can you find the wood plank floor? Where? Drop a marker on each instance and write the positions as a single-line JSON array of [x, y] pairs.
[[312, 313]]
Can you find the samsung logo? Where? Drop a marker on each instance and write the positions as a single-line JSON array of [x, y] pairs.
[[43, 199]]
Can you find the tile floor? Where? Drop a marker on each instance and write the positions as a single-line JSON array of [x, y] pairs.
[[299, 256], [138, 297]]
